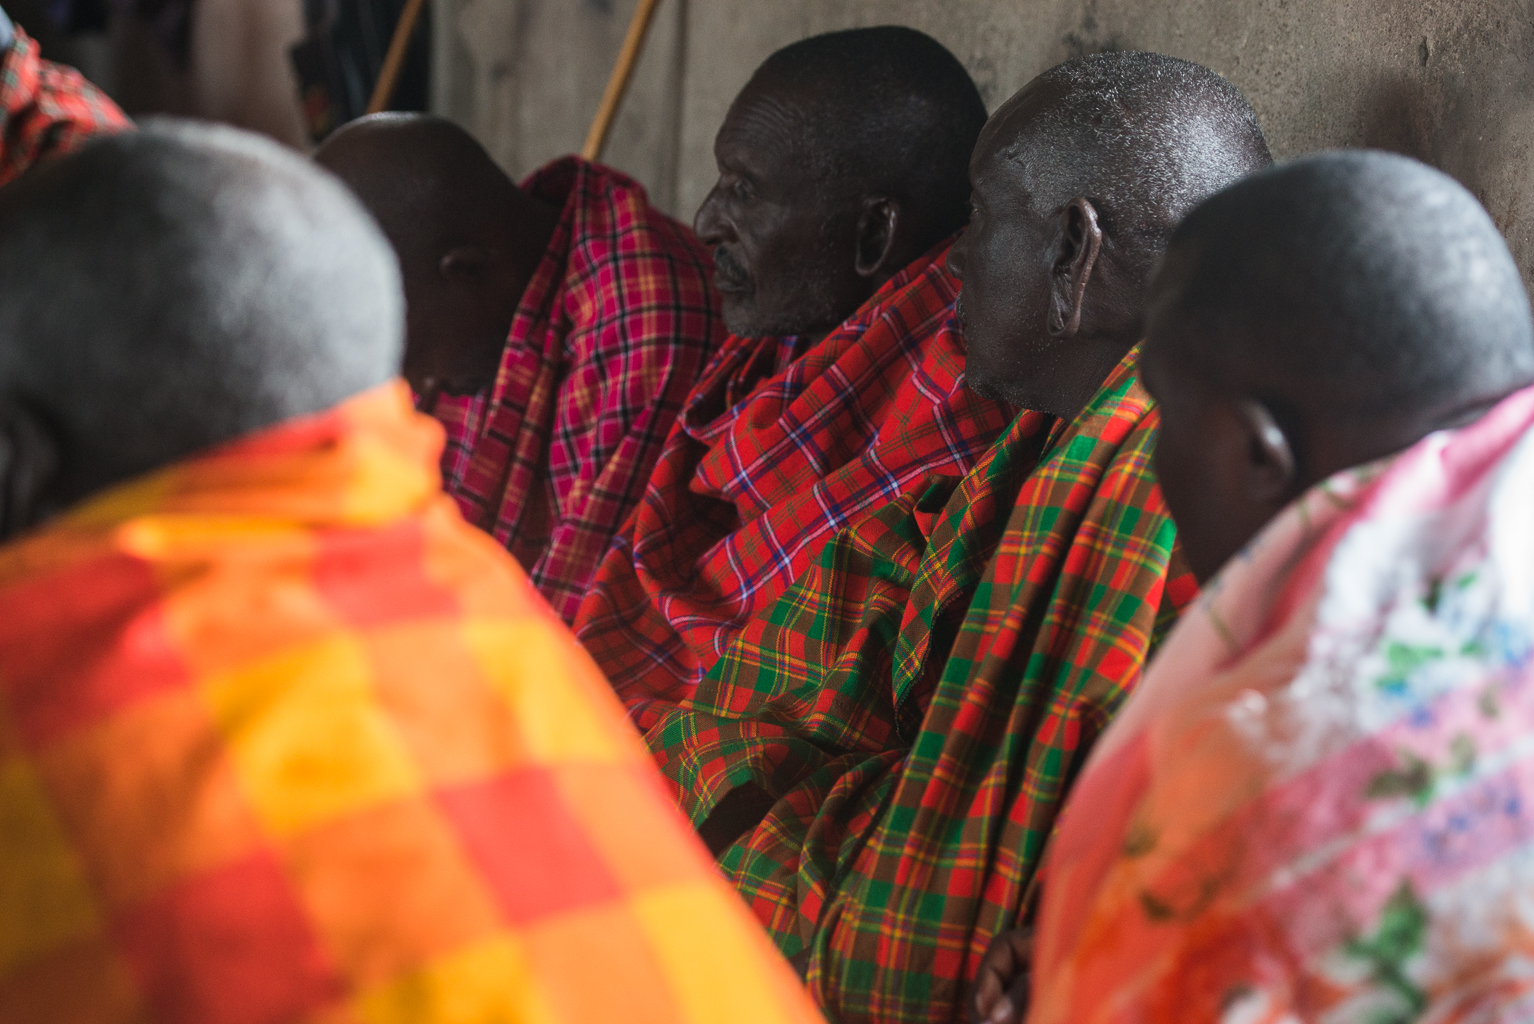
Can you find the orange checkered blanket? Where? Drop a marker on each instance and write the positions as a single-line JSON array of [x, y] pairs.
[[283, 739]]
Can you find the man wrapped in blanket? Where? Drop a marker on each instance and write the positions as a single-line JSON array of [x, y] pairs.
[[554, 329], [1319, 805], [880, 756], [841, 183], [45, 108], [282, 738]]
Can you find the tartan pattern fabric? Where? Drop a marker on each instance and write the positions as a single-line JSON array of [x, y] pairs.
[[919, 702], [780, 445], [614, 328], [46, 108], [282, 739]]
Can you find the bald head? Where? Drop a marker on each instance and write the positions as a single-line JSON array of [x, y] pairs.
[[1079, 180], [165, 291], [1320, 315], [841, 161], [467, 238]]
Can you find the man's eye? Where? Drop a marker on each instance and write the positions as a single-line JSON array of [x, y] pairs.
[[742, 189]]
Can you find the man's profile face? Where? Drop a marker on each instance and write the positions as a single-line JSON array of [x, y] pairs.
[[1003, 262], [455, 330], [784, 243], [1202, 448]]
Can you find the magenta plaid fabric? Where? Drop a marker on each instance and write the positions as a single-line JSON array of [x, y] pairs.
[[615, 326], [781, 444]]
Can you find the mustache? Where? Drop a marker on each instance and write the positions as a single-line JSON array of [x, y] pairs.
[[730, 269], [958, 310]]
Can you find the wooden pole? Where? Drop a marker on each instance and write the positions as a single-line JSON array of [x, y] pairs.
[[394, 60], [618, 83]]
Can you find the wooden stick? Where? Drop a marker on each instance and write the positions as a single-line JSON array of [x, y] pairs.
[[618, 83], [394, 60]]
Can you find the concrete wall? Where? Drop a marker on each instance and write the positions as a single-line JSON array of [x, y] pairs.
[[1448, 81]]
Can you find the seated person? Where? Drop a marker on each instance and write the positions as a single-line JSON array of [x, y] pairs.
[[841, 181], [281, 737], [879, 757], [1319, 803], [45, 108], [554, 329]]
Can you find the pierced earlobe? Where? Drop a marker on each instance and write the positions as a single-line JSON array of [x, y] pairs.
[[29, 469], [1079, 243], [878, 223], [1272, 467]]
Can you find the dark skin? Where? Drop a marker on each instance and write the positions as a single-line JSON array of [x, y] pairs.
[[1051, 302], [1228, 462], [468, 240], [795, 252]]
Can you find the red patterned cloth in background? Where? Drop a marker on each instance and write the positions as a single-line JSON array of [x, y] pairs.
[[780, 446], [46, 108], [613, 330]]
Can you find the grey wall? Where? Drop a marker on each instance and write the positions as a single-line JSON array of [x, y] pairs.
[[1448, 81]]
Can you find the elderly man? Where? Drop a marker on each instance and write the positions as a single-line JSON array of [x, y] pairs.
[[880, 756], [1318, 805], [45, 108], [841, 180], [281, 737], [555, 329]]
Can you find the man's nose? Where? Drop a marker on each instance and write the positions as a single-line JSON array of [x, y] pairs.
[[711, 225], [956, 257]]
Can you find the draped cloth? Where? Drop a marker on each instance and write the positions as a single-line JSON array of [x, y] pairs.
[[46, 108], [611, 334], [919, 701], [781, 444], [1319, 805], [283, 739]]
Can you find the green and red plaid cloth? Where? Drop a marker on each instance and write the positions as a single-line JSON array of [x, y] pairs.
[[46, 108], [919, 702], [779, 446], [611, 334]]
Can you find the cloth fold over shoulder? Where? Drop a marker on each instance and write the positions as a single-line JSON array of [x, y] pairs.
[[283, 739], [919, 701], [616, 325], [780, 445], [1319, 805], [46, 108]]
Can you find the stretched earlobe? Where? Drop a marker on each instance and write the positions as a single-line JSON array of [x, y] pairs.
[[1272, 469], [878, 224], [29, 468], [1077, 247]]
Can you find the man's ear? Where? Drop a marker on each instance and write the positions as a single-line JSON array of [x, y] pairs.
[[878, 224], [1077, 245], [468, 264], [29, 468], [1271, 470]]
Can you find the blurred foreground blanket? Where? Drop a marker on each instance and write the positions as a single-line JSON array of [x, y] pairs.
[[1319, 805], [283, 739]]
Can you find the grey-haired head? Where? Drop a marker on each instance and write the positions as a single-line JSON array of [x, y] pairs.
[[165, 291]]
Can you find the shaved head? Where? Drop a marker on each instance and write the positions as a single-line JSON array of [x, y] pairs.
[[468, 239], [169, 290], [1079, 180], [1318, 316]]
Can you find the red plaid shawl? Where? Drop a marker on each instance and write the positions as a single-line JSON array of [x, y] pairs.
[[612, 332], [748, 488], [920, 700], [46, 108]]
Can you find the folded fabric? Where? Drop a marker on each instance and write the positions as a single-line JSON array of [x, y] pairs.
[[919, 702], [1319, 805], [780, 445], [283, 739], [46, 108], [611, 334]]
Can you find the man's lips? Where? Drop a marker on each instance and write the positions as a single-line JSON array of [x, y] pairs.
[[729, 275]]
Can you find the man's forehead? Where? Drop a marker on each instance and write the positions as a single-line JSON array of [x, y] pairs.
[[1009, 130]]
